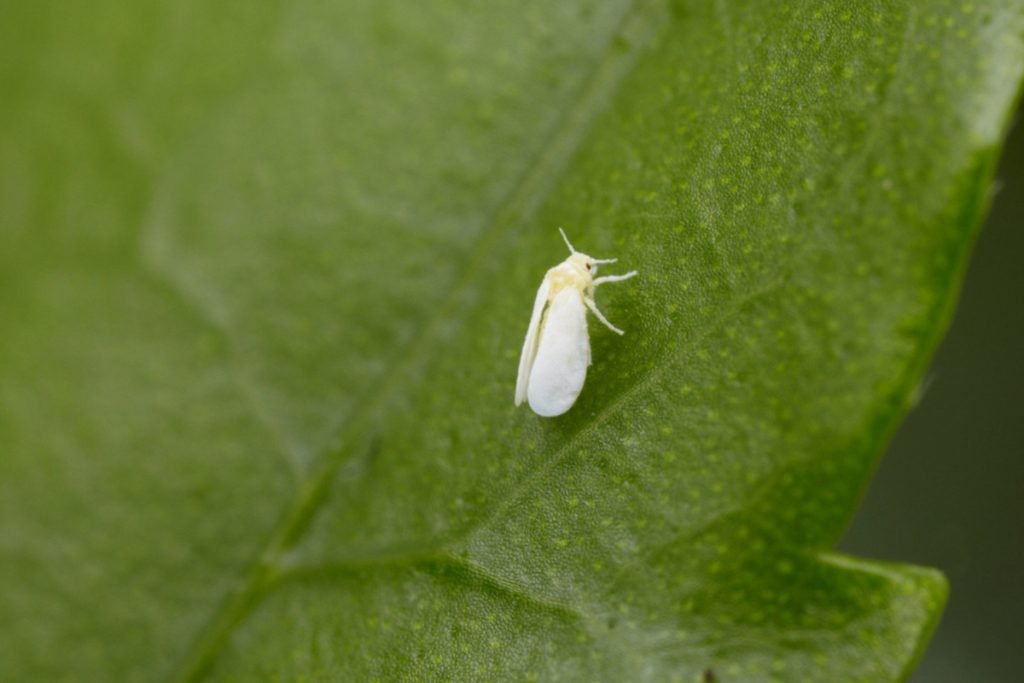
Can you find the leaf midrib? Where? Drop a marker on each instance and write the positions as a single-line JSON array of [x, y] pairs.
[[637, 27]]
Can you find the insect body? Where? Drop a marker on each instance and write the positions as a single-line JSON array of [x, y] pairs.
[[556, 351]]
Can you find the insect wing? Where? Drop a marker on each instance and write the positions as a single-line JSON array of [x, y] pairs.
[[562, 356], [530, 344]]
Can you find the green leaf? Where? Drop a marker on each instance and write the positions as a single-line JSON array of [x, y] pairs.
[[264, 274]]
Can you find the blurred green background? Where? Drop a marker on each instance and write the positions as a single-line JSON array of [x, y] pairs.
[[949, 493]]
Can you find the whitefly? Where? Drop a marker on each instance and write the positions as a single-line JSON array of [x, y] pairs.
[[556, 351]]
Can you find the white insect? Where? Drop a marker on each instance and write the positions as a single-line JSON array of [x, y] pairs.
[[556, 352]]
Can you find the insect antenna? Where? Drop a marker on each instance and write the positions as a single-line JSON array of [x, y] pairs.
[[567, 243]]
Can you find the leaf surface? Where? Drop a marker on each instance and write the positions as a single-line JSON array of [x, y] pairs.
[[265, 271]]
